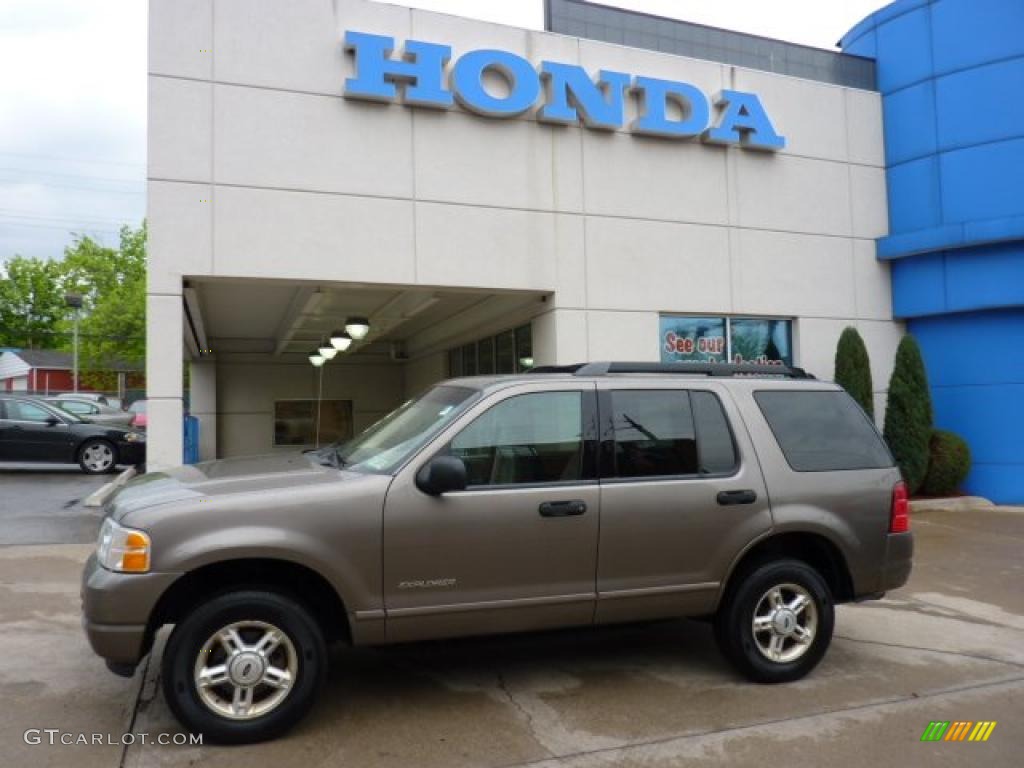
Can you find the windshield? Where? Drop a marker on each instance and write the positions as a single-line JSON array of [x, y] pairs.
[[389, 442]]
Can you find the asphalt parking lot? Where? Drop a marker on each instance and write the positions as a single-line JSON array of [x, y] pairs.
[[42, 504], [949, 646]]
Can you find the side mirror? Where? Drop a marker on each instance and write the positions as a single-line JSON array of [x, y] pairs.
[[442, 474], [52, 421]]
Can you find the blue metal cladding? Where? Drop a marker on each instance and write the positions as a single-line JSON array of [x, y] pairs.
[[951, 74], [976, 371]]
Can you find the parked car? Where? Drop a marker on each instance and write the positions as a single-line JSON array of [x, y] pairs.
[[98, 397], [138, 411], [753, 494], [92, 411], [35, 430]]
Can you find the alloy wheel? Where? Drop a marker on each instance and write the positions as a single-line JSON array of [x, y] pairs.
[[245, 670], [785, 623]]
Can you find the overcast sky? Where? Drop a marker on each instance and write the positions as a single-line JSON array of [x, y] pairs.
[[73, 98]]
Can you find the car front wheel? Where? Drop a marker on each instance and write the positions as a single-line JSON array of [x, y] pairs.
[[97, 457], [244, 667], [776, 624]]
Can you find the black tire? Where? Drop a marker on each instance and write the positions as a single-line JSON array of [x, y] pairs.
[[191, 634], [88, 466], [734, 622]]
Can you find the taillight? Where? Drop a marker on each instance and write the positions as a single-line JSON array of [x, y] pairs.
[[899, 515]]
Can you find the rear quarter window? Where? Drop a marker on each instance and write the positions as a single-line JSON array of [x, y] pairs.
[[822, 431]]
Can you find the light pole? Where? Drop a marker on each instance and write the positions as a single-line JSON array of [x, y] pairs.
[[74, 301]]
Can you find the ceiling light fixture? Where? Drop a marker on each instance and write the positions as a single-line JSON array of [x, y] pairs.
[[357, 327], [341, 341]]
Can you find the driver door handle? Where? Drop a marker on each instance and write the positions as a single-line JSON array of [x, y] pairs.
[[562, 508]]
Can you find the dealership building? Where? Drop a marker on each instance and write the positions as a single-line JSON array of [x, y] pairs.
[[465, 197]]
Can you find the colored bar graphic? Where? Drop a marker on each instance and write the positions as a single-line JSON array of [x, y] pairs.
[[983, 730], [935, 730], [958, 730]]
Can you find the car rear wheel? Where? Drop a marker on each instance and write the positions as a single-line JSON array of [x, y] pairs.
[[776, 623], [96, 457], [244, 667]]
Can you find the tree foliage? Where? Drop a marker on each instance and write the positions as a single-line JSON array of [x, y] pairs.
[[112, 282], [31, 303], [948, 464], [908, 414], [853, 369]]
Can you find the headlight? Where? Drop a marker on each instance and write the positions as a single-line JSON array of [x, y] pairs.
[[133, 437], [122, 549]]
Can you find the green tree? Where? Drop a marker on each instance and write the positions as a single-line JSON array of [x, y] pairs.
[[112, 283], [853, 369], [908, 414], [31, 303]]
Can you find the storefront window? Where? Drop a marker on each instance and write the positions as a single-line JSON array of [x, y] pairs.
[[760, 341], [508, 352], [693, 339], [505, 343], [485, 356], [295, 421], [722, 339]]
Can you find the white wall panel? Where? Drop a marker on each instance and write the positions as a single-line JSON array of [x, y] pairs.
[[180, 219], [657, 266], [273, 138], [779, 273], [303, 235], [180, 139], [485, 247]]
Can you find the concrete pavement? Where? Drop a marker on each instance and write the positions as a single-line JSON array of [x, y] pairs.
[[950, 646]]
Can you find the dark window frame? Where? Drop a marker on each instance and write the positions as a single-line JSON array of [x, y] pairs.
[[606, 465], [588, 438], [867, 419]]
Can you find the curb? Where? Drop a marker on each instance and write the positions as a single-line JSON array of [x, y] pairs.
[[951, 504], [99, 497]]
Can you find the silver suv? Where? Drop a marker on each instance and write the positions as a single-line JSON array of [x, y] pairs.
[[606, 492]]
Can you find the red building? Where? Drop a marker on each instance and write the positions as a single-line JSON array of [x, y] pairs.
[[46, 371]]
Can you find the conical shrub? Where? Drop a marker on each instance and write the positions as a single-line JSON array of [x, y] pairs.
[[853, 369], [908, 414]]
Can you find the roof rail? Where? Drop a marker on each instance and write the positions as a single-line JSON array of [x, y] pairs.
[[557, 368], [685, 369]]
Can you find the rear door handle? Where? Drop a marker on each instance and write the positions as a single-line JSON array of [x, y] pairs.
[[562, 508], [728, 498]]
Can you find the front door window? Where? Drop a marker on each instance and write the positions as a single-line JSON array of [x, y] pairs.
[[527, 439]]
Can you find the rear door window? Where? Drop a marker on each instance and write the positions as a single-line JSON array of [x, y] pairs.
[[668, 433], [653, 433], [822, 431]]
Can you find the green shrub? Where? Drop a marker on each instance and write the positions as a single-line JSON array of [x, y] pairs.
[[949, 462], [853, 369], [908, 414]]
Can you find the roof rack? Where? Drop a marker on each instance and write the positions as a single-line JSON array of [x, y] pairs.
[[685, 369]]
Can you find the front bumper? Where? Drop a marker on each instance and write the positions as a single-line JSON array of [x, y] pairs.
[[116, 608], [131, 453]]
